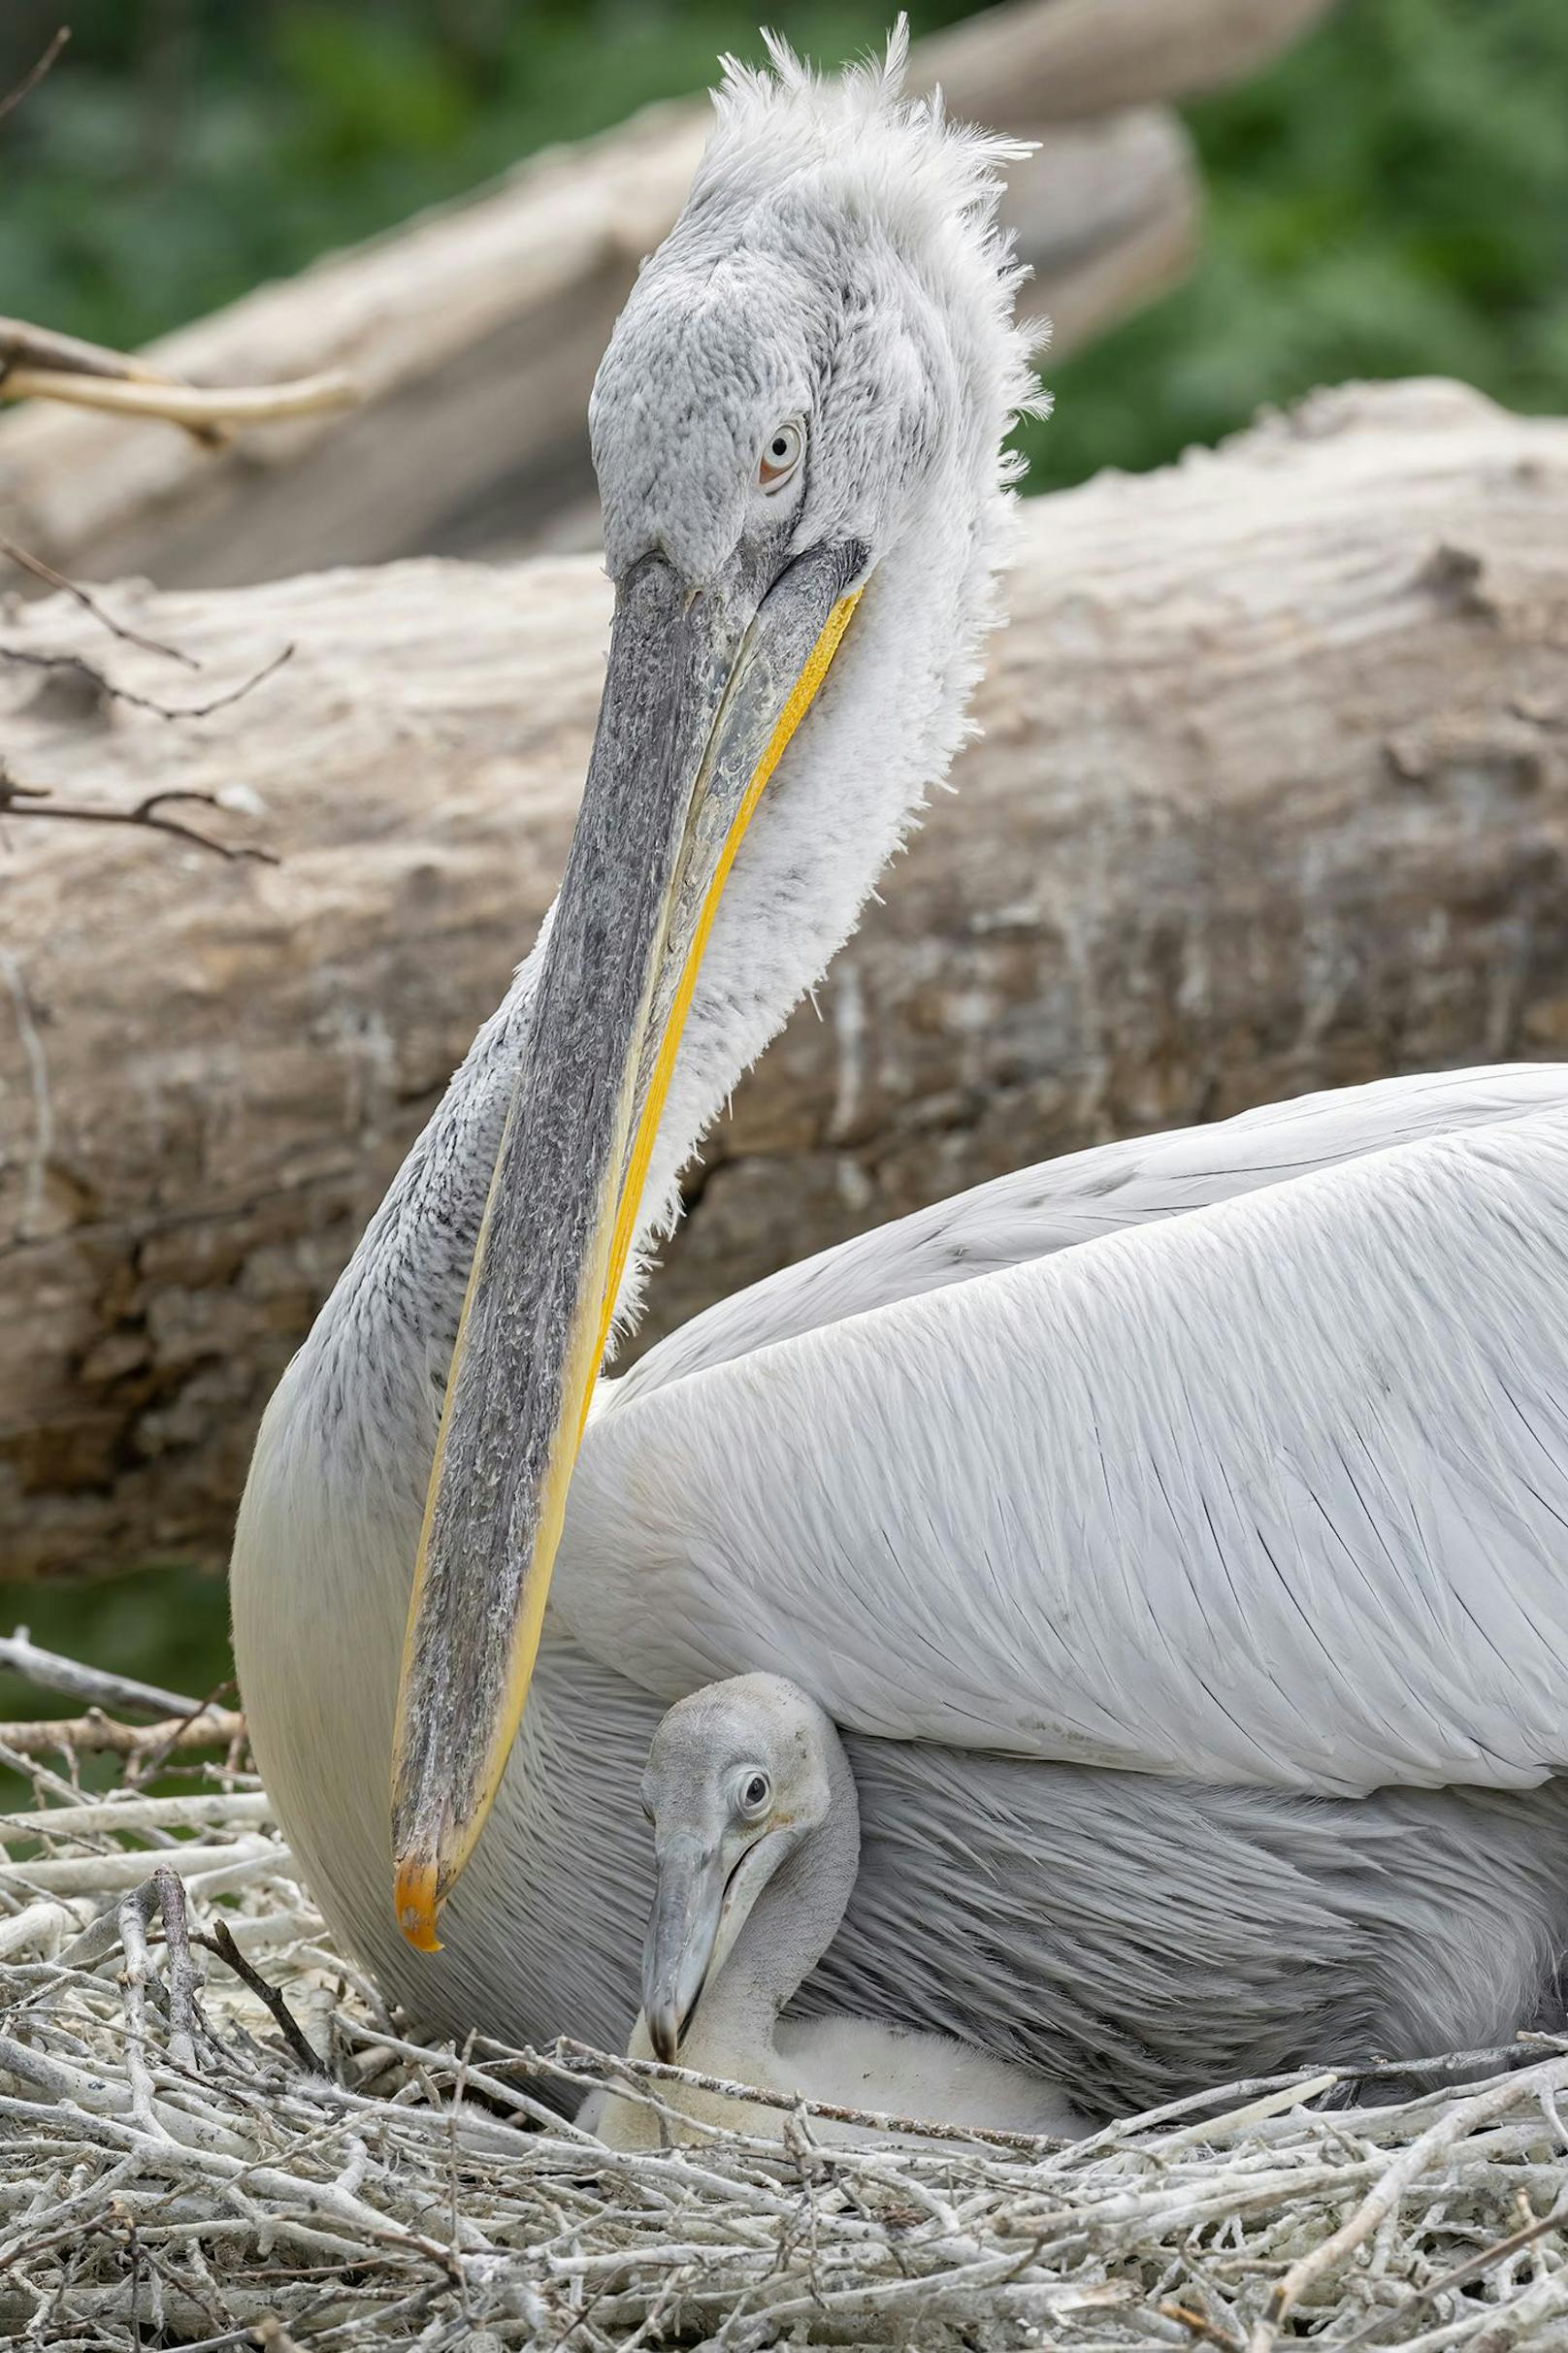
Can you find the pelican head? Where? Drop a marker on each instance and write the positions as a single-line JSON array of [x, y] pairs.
[[739, 1776], [811, 382]]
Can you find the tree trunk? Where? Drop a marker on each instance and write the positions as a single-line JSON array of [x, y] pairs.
[[1273, 795]]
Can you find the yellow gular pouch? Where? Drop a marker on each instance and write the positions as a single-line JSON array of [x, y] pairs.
[[802, 696], [420, 1886]]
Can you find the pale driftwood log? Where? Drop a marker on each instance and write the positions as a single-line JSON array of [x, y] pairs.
[[1081, 58], [1108, 215], [19, 1655], [1274, 794], [473, 332]]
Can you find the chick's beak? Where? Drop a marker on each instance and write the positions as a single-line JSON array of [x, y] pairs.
[[678, 1950]]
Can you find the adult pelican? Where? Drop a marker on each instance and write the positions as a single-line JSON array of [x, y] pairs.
[[1186, 1581]]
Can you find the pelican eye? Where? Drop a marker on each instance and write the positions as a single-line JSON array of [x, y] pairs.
[[754, 1792], [782, 455]]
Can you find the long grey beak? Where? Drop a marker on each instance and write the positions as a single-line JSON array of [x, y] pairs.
[[678, 1950], [702, 693]]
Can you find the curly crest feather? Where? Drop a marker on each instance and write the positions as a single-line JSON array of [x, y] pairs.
[[899, 164]]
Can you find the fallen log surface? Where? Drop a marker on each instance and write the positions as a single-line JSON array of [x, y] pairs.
[[1273, 794], [473, 332], [1073, 58]]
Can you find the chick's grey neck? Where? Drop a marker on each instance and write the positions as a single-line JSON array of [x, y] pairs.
[[789, 1927]]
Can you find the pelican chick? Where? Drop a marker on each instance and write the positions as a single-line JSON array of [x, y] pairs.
[[757, 1845], [1175, 1530]]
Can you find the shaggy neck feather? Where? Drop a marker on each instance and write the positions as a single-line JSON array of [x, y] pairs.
[[884, 728]]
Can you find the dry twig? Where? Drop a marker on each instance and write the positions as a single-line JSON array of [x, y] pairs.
[[33, 358], [221, 1941], [96, 1734], [183, 2154], [87, 674], [21, 1655], [198, 408], [149, 813], [421, 2218], [34, 74], [46, 575]]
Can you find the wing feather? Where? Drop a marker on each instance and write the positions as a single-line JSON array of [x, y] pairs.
[[1030, 1213], [1271, 1489]]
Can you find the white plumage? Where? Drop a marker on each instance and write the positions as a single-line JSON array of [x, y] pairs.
[[1235, 1459], [776, 1878], [1271, 1490]]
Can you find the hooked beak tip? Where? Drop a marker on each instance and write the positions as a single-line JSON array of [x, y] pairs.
[[664, 2033], [417, 1902]]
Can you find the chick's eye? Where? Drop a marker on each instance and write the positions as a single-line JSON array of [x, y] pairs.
[[781, 455], [754, 1793]]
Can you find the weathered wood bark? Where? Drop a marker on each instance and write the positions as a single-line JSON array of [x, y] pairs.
[[1274, 793], [1082, 57], [474, 331]]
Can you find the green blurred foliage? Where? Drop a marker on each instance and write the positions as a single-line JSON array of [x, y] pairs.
[[1391, 199], [166, 1626], [184, 150]]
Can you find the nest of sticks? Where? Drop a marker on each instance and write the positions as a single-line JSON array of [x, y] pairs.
[[213, 2133]]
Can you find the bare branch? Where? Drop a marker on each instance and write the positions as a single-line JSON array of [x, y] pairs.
[[1462, 2274], [27, 562], [78, 667], [221, 1941], [19, 799], [38, 363], [96, 1734], [194, 407], [1458, 2121], [424, 2200], [24, 345], [152, 1759], [1199, 2325], [184, 2007], [51, 1673], [31, 79], [580, 2061], [27, 348], [134, 1910]]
